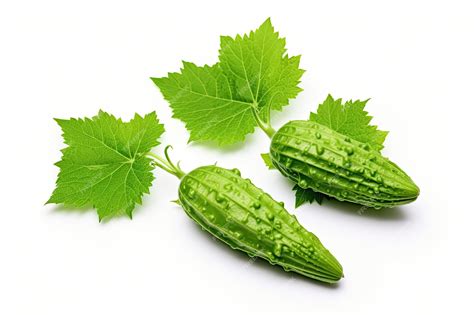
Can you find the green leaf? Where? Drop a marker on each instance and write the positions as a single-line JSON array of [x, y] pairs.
[[268, 161], [307, 195], [224, 102], [207, 102], [263, 74], [104, 164], [351, 120]]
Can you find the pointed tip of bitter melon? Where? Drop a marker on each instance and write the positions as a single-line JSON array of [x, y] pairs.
[[414, 190], [410, 191], [333, 268]]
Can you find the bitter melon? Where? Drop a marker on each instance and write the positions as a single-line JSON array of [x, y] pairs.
[[246, 218], [317, 157]]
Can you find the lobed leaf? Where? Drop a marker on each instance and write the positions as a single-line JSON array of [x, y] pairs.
[[104, 164], [221, 103]]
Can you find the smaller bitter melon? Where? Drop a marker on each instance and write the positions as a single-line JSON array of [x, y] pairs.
[[317, 157], [248, 219]]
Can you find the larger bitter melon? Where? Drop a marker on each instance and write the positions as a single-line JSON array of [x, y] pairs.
[[246, 218]]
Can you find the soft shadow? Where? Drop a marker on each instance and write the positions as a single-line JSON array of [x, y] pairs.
[[352, 209], [256, 262]]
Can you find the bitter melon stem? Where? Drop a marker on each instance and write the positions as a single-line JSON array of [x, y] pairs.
[[264, 125], [166, 164]]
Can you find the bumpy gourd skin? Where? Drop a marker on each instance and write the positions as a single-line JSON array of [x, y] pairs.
[[317, 157], [246, 218]]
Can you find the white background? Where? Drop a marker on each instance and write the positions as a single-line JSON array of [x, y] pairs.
[[413, 59]]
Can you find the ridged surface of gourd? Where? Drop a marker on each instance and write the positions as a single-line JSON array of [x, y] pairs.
[[317, 157], [246, 218]]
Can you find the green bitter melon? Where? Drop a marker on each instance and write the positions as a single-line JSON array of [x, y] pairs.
[[248, 219], [317, 157]]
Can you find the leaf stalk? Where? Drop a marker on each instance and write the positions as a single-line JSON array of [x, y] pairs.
[[166, 164], [264, 125]]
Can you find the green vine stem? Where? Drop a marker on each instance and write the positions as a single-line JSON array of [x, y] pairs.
[[166, 164], [264, 125]]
